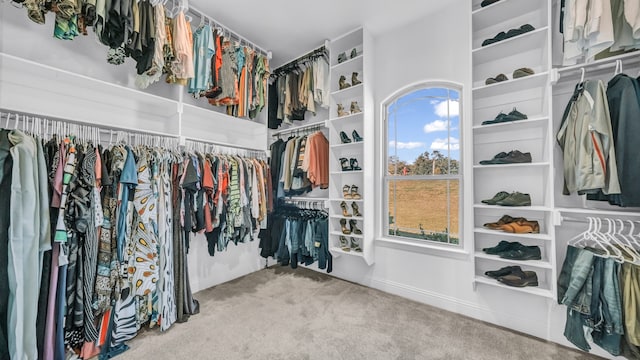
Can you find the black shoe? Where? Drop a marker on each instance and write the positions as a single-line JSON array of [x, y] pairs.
[[342, 57], [344, 138], [498, 78], [502, 272], [522, 253], [497, 197], [496, 157], [487, 2], [354, 164], [502, 246], [519, 278], [356, 136], [499, 37], [515, 115], [513, 157], [344, 163], [354, 53]]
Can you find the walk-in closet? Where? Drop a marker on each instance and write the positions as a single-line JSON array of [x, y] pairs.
[[190, 179]]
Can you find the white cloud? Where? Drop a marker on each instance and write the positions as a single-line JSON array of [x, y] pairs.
[[406, 145], [443, 144], [435, 126], [452, 110]]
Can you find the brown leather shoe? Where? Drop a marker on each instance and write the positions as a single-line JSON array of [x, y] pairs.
[[506, 219], [522, 226]]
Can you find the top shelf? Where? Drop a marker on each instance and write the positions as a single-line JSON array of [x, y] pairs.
[[503, 10]]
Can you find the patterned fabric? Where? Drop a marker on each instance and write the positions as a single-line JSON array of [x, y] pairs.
[[104, 281], [90, 251], [69, 169], [165, 232]]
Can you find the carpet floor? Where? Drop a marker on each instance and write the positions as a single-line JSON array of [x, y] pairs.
[[280, 313]]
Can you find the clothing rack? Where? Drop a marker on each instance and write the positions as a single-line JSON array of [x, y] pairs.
[[291, 65], [631, 58], [306, 129], [206, 146], [227, 30], [306, 204]]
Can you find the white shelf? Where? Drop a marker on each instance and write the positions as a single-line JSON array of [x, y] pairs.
[[528, 289], [524, 83], [502, 233], [339, 233], [347, 145], [357, 218], [531, 40], [503, 10], [351, 117], [346, 172], [519, 165], [525, 208], [348, 93], [507, 126], [338, 250], [533, 263], [356, 61], [343, 199]]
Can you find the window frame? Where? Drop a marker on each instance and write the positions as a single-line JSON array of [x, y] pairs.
[[387, 179]]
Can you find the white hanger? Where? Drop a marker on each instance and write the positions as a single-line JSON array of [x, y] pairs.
[[618, 67], [612, 240], [598, 238], [625, 239]]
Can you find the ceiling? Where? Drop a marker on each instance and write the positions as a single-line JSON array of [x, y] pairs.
[[292, 28]]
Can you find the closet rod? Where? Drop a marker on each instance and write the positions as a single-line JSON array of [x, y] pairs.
[[222, 144], [631, 58], [317, 51], [314, 126], [197, 12]]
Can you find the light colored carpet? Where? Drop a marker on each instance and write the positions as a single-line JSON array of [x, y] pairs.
[[279, 313]]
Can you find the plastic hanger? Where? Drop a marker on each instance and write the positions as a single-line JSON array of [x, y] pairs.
[[625, 239], [598, 239], [618, 67], [576, 241]]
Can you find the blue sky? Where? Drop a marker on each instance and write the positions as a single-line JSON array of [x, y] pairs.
[[420, 119]]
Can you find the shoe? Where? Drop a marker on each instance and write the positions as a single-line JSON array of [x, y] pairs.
[[522, 72], [503, 220], [343, 225], [354, 164], [354, 193], [344, 244], [356, 136], [344, 138], [521, 226], [342, 83], [354, 79], [497, 79], [514, 115], [356, 210], [344, 163], [502, 272], [354, 228], [519, 278], [497, 197], [513, 157], [515, 199], [502, 247], [488, 2], [341, 111], [519, 31], [522, 252], [354, 53], [342, 57], [345, 192], [498, 119], [499, 37], [343, 206], [355, 108], [355, 245]]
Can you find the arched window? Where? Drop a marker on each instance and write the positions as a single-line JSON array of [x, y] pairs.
[[422, 176]]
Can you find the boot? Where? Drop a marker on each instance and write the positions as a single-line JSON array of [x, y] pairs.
[[354, 107], [355, 245], [342, 111], [342, 82], [354, 79]]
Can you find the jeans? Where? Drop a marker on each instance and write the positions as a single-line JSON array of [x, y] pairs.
[[577, 296], [607, 307], [630, 286]]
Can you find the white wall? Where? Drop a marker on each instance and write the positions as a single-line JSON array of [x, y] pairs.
[[52, 94], [438, 48]]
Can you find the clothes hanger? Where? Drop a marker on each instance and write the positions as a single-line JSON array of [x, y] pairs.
[[610, 239], [629, 246], [618, 67]]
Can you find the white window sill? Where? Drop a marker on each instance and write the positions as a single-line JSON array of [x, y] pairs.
[[450, 251]]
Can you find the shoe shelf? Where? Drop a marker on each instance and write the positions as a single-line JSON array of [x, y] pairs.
[[348, 65], [501, 11], [347, 200], [512, 208], [481, 279], [339, 233], [347, 145], [533, 263], [535, 39], [346, 172], [520, 125], [348, 93], [338, 251], [358, 218], [519, 165], [501, 88], [348, 118], [513, 235]]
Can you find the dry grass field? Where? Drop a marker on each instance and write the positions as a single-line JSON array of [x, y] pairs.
[[421, 206]]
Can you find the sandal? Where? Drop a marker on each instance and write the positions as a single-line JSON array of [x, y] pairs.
[[355, 245], [354, 193], [354, 228], [354, 164], [344, 244], [345, 192], [344, 163], [343, 225], [356, 209], [345, 212]]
